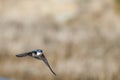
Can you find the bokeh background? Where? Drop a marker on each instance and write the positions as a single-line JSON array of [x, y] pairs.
[[80, 38]]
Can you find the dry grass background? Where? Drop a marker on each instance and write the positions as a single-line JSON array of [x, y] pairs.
[[80, 38]]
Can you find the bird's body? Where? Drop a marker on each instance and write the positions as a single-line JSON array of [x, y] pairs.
[[38, 54]]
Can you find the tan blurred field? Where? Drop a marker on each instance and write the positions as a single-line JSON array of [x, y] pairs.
[[80, 38]]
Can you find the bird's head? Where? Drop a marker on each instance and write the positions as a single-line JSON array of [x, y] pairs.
[[37, 52]]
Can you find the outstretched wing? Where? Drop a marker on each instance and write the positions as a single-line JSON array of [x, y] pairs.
[[23, 54], [46, 62]]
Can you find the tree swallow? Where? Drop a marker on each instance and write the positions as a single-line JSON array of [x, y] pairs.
[[38, 54]]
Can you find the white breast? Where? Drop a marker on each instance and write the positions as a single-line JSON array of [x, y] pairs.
[[39, 53]]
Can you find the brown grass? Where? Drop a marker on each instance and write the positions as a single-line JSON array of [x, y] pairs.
[[82, 46]]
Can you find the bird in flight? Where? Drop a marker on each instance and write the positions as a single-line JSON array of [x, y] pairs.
[[38, 54]]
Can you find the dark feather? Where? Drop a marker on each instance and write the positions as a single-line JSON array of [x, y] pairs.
[[46, 62], [22, 55]]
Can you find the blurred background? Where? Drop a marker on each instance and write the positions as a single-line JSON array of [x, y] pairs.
[[80, 38]]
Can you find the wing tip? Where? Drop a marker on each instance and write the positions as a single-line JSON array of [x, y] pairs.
[[18, 56], [55, 74]]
